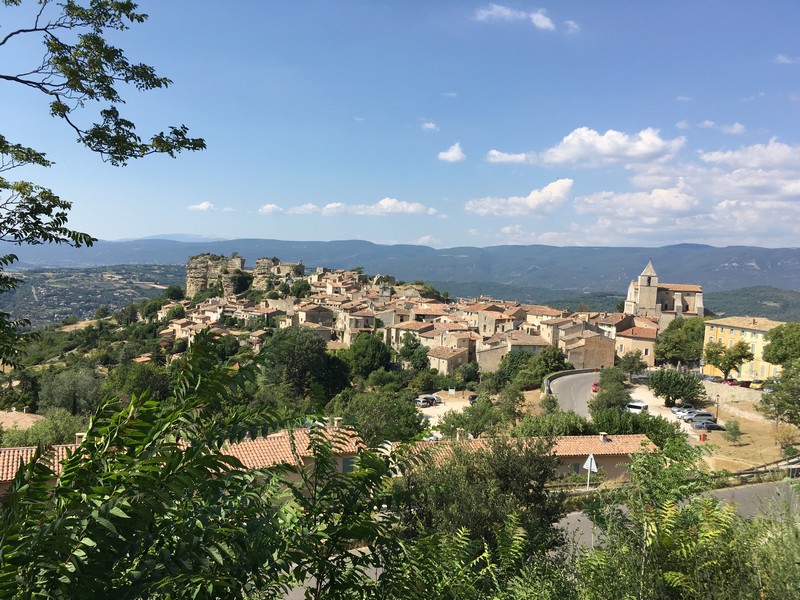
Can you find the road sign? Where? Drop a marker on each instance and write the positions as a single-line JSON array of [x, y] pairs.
[[590, 464]]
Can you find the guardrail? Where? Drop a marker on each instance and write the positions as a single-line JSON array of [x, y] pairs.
[[559, 374]]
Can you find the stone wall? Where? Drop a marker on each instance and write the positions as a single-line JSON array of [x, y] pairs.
[[262, 273], [206, 270]]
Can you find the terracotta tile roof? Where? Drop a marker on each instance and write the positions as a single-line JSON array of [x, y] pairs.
[[261, 452], [413, 326], [445, 353], [564, 446], [639, 332], [749, 323], [541, 310], [676, 287]]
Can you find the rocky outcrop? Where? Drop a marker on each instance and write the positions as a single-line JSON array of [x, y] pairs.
[[262, 273], [206, 270]]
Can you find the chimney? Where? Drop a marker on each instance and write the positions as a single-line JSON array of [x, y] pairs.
[[459, 433], [604, 437], [337, 422], [79, 437]]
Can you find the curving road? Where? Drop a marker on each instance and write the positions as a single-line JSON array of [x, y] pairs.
[[573, 392]]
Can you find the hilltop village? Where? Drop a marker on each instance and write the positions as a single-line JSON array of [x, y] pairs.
[[339, 304]]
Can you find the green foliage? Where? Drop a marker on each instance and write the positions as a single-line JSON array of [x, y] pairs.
[[512, 363], [612, 394], [672, 385], [478, 489], [75, 390], [128, 379], [378, 416], [621, 422], [681, 342], [782, 402], [476, 419], [549, 404], [733, 431], [367, 353], [150, 505], [631, 363], [176, 312], [59, 426], [783, 344], [300, 288], [727, 359], [127, 315], [552, 425]]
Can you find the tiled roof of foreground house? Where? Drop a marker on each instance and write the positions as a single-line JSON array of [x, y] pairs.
[[261, 452], [564, 446]]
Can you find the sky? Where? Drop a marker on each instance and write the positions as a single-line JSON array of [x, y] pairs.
[[572, 123]]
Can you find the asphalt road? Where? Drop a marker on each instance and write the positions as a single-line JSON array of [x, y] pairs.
[[573, 392]]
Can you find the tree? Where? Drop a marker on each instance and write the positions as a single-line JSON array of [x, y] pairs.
[[631, 363], [59, 426], [552, 425], [75, 390], [782, 402], [783, 344], [548, 361], [367, 353], [176, 312], [174, 293], [549, 404], [681, 342], [128, 379], [727, 359], [612, 395], [127, 315], [378, 416], [150, 505], [300, 288], [476, 419], [672, 385], [294, 356], [78, 68], [733, 431]]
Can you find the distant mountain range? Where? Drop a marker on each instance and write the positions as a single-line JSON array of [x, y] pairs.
[[595, 269]]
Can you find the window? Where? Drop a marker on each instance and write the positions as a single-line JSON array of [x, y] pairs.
[[647, 351], [576, 467], [730, 343], [753, 348], [711, 339], [348, 464], [711, 328]]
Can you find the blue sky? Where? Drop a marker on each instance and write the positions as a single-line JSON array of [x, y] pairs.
[[451, 124]]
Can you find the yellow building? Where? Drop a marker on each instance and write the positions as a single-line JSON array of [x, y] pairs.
[[751, 331]]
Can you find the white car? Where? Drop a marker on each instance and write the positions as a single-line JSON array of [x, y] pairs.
[[636, 407]]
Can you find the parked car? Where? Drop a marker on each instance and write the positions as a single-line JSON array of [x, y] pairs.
[[730, 382], [708, 426], [596, 386], [757, 384], [701, 415], [636, 407], [681, 407], [745, 384], [423, 402], [473, 398], [436, 399], [712, 378], [685, 412]]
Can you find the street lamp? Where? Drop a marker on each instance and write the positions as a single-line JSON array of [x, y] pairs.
[[717, 400]]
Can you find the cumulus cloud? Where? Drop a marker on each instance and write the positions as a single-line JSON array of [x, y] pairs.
[[269, 209], [572, 27], [203, 206], [733, 129], [541, 21], [497, 12], [655, 203], [587, 146], [429, 126], [452, 154], [427, 240], [304, 209], [784, 59], [707, 124], [682, 124], [684, 99], [359, 119], [774, 155], [384, 207], [449, 94], [542, 201], [496, 156]]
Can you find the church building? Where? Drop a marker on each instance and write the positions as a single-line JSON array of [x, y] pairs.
[[647, 297]]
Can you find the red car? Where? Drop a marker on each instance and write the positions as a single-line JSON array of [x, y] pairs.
[[596, 386], [730, 382]]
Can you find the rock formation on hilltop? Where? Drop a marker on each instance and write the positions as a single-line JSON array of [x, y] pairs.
[[207, 270]]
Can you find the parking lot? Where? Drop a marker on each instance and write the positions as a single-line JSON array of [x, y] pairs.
[[457, 402]]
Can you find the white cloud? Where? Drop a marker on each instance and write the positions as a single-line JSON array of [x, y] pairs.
[[497, 12], [514, 234], [758, 96], [452, 154], [427, 240], [542, 201], [733, 128], [304, 209], [495, 156], [472, 231], [269, 209], [684, 99], [429, 126], [386, 206], [707, 124], [572, 26], [587, 146], [228, 209], [656, 203], [773, 155], [783, 59], [682, 124], [449, 94], [203, 206], [541, 21]]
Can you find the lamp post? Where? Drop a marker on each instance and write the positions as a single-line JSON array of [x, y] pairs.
[[717, 400]]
